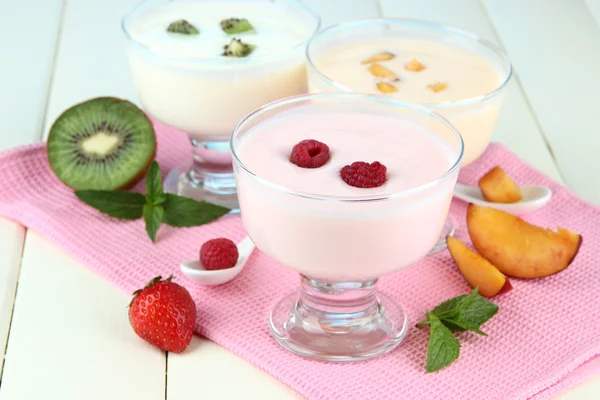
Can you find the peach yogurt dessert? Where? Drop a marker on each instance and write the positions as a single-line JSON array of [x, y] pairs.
[[201, 65], [343, 188], [454, 73]]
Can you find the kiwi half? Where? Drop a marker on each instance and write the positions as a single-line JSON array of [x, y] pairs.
[[102, 144]]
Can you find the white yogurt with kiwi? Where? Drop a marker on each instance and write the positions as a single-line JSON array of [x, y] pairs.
[[191, 81]]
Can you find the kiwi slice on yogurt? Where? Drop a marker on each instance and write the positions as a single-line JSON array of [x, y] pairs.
[[104, 143], [232, 26], [183, 27]]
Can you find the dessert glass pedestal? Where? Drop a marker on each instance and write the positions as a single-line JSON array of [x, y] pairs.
[[185, 81], [475, 70], [341, 244]]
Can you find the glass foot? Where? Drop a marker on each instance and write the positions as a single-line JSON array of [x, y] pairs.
[[338, 321], [215, 188], [448, 230]]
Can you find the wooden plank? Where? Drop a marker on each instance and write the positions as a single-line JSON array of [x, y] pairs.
[[23, 102], [27, 40], [583, 391], [91, 60], [594, 6], [335, 11], [556, 51], [11, 244], [70, 336], [222, 374], [517, 126]]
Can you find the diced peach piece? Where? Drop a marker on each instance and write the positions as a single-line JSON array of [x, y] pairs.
[[518, 248], [385, 87], [380, 71], [438, 86], [383, 56], [477, 270], [498, 187], [414, 65]]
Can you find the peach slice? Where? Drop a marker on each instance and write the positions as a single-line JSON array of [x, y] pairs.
[[414, 65], [385, 87], [380, 71], [383, 56], [438, 86], [477, 270], [518, 248], [498, 187]]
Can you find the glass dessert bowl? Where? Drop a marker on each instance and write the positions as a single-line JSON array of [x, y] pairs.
[[201, 65], [454, 73], [339, 226]]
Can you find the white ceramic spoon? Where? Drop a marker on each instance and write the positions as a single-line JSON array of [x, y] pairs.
[[194, 270], [534, 197]]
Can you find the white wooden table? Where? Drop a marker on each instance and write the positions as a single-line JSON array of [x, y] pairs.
[[64, 331]]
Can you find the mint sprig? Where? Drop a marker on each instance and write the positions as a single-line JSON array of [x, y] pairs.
[[443, 348], [156, 207], [462, 313]]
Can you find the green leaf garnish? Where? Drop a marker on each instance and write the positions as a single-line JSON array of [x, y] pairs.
[[156, 207], [479, 311], [153, 216], [122, 205], [154, 190], [443, 347], [183, 211], [183, 27], [461, 313]]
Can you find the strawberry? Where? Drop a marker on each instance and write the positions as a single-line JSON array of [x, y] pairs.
[[163, 314]]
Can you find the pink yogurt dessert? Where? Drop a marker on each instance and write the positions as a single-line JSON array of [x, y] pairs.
[[310, 219]]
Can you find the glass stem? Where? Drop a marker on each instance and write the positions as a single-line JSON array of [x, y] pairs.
[[209, 158], [336, 307]]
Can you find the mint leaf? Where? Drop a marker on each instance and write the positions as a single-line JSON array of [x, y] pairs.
[[461, 313], [156, 207], [154, 190], [479, 311], [447, 310], [122, 205], [450, 307], [459, 324], [185, 212], [453, 327], [443, 348], [465, 312], [153, 216]]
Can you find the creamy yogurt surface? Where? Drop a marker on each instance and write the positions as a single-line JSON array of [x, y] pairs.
[[466, 74], [413, 156], [275, 29]]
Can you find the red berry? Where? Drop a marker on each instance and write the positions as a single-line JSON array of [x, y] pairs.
[[163, 314], [361, 174], [310, 154], [218, 254]]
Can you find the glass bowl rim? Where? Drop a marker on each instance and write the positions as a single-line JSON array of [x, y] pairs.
[[218, 61], [414, 22], [348, 96]]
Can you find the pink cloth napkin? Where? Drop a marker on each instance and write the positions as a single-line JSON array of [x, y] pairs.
[[544, 339]]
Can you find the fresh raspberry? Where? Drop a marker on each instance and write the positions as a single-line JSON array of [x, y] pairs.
[[218, 254], [310, 154], [361, 174]]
